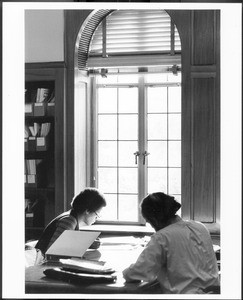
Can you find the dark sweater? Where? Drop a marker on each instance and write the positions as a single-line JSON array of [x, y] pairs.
[[65, 221]]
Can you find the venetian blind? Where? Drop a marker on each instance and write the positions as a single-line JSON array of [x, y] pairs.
[[135, 31]]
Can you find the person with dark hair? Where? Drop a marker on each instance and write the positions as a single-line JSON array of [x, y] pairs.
[[180, 253], [85, 209]]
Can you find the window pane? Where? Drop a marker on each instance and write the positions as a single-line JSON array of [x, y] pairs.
[[158, 154], [126, 153], [109, 212], [157, 99], [177, 197], [107, 80], [107, 180], [157, 180], [128, 208], [107, 127], [128, 127], [174, 127], [132, 78], [174, 96], [157, 126], [156, 78], [174, 179], [174, 154], [128, 180], [107, 153], [174, 78], [128, 100], [107, 100]]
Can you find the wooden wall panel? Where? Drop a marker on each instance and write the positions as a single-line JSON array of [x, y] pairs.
[[199, 32], [203, 154], [203, 37], [73, 22]]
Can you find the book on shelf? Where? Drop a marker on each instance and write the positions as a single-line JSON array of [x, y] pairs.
[[37, 130], [34, 129], [26, 131], [30, 205], [43, 95], [52, 98], [30, 211], [31, 168], [29, 109], [45, 129], [36, 136]]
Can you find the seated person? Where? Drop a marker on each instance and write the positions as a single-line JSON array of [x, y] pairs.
[[180, 254], [85, 209]]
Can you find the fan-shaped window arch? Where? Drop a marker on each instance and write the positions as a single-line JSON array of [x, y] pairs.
[[109, 33], [85, 36], [134, 32]]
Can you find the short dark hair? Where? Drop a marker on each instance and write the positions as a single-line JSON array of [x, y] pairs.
[[159, 206], [89, 199]]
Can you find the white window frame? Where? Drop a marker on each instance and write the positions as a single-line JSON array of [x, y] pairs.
[[92, 133]]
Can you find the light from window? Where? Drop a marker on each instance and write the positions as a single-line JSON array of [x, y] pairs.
[[124, 131]]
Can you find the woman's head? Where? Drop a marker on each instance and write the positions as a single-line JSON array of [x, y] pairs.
[[158, 209], [88, 204]]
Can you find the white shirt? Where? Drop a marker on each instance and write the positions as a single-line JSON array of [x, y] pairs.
[[180, 256]]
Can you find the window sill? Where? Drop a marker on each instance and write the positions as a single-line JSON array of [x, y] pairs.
[[213, 228], [121, 229]]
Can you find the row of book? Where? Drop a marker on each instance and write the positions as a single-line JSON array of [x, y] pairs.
[[37, 130], [30, 174], [33, 213], [30, 205], [40, 95], [45, 95], [40, 109]]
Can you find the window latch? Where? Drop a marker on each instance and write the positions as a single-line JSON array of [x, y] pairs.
[[137, 153], [144, 156]]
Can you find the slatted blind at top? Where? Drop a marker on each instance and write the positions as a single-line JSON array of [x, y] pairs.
[[129, 31]]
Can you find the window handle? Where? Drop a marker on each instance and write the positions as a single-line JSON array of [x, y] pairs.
[[145, 153], [137, 153]]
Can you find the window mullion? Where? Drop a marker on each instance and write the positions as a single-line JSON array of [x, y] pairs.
[[93, 129], [142, 182]]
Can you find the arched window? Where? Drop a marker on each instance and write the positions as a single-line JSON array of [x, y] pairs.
[[200, 104], [135, 32], [133, 63]]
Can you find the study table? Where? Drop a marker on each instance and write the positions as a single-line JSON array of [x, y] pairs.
[[119, 256]]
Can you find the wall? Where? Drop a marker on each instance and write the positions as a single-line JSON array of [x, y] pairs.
[[44, 35]]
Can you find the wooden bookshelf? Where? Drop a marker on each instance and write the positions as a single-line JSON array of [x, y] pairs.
[[44, 145]]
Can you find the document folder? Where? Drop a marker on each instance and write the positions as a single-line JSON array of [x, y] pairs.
[[72, 243]]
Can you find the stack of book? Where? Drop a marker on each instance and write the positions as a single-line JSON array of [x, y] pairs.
[[36, 137]]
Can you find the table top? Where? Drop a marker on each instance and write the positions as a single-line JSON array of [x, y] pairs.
[[117, 256]]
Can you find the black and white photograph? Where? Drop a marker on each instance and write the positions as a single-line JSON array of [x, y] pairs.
[[121, 157]]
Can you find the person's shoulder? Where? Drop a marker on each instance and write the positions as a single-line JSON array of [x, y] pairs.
[[198, 225], [68, 220]]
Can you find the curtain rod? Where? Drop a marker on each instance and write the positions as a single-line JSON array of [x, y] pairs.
[[104, 71]]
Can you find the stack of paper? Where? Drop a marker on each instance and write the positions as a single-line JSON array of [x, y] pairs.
[[86, 266]]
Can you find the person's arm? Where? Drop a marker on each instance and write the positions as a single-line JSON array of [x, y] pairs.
[[95, 244], [148, 264]]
